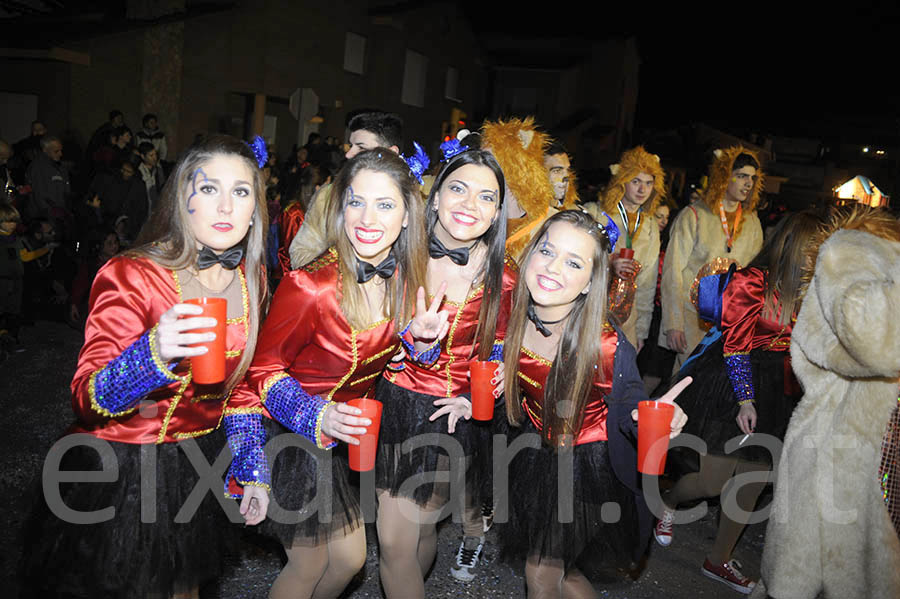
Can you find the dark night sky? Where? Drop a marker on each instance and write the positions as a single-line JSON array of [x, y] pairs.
[[771, 67], [774, 68]]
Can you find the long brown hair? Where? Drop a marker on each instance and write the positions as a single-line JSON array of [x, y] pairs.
[[409, 249], [574, 367], [784, 259], [167, 238], [494, 239]]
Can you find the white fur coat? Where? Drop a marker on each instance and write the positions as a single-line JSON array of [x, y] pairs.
[[829, 530]]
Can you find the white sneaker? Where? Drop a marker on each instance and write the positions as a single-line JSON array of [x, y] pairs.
[[467, 557], [663, 529]]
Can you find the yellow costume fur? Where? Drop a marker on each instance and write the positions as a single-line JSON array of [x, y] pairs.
[[720, 176], [519, 148], [633, 162]]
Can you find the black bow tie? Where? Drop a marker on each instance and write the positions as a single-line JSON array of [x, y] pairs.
[[538, 323], [436, 249], [385, 270], [229, 259]]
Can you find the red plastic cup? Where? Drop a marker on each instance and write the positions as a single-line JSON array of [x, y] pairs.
[[654, 426], [362, 456], [626, 253], [209, 368], [482, 389]]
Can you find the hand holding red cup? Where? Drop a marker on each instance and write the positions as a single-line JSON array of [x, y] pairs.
[[362, 456], [658, 421]]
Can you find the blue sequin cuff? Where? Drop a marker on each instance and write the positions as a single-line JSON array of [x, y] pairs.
[[496, 352], [741, 375], [395, 366], [116, 388], [246, 438], [299, 411], [427, 356]]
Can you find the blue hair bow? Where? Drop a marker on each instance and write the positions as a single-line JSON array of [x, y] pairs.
[[418, 162], [451, 148], [258, 145], [611, 230]]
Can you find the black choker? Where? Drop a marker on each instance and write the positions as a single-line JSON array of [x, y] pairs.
[[541, 325]]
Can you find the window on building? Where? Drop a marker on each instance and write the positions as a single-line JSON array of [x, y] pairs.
[[354, 53], [414, 72]]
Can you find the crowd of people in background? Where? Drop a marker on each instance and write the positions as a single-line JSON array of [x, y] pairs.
[[66, 215], [660, 289]]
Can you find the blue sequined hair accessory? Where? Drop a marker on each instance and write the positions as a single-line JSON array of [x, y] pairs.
[[258, 145], [611, 230], [418, 162], [451, 148]]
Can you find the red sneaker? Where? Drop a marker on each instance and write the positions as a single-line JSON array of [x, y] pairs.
[[663, 530], [728, 574]]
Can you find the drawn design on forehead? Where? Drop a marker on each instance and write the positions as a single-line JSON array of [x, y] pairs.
[[349, 195], [194, 177], [544, 241]]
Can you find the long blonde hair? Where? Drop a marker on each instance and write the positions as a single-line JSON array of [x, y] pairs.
[[167, 238], [409, 249], [573, 371]]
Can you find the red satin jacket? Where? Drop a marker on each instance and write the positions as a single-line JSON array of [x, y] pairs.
[[127, 299], [448, 377], [744, 327], [533, 373], [307, 336]]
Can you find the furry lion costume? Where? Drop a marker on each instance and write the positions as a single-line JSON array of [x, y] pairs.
[[519, 148], [631, 301], [631, 164], [698, 247], [830, 531]]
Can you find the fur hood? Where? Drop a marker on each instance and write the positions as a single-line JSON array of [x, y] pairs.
[[634, 161], [519, 148], [841, 285], [720, 177]]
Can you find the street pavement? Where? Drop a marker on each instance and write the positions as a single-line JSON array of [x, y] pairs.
[[34, 391]]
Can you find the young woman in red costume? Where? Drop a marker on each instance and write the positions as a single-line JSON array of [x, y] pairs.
[[571, 379], [468, 268], [133, 394], [745, 387], [332, 327]]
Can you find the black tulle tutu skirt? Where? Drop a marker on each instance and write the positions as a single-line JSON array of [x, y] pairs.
[[599, 534], [404, 419], [123, 556], [313, 494], [712, 409]]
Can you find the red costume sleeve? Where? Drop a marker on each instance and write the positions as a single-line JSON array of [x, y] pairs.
[[124, 305], [742, 304], [288, 328]]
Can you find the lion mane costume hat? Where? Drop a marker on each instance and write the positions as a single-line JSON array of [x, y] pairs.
[[519, 148], [720, 176], [634, 161]]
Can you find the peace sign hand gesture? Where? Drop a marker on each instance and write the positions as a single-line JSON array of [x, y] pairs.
[[430, 325]]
